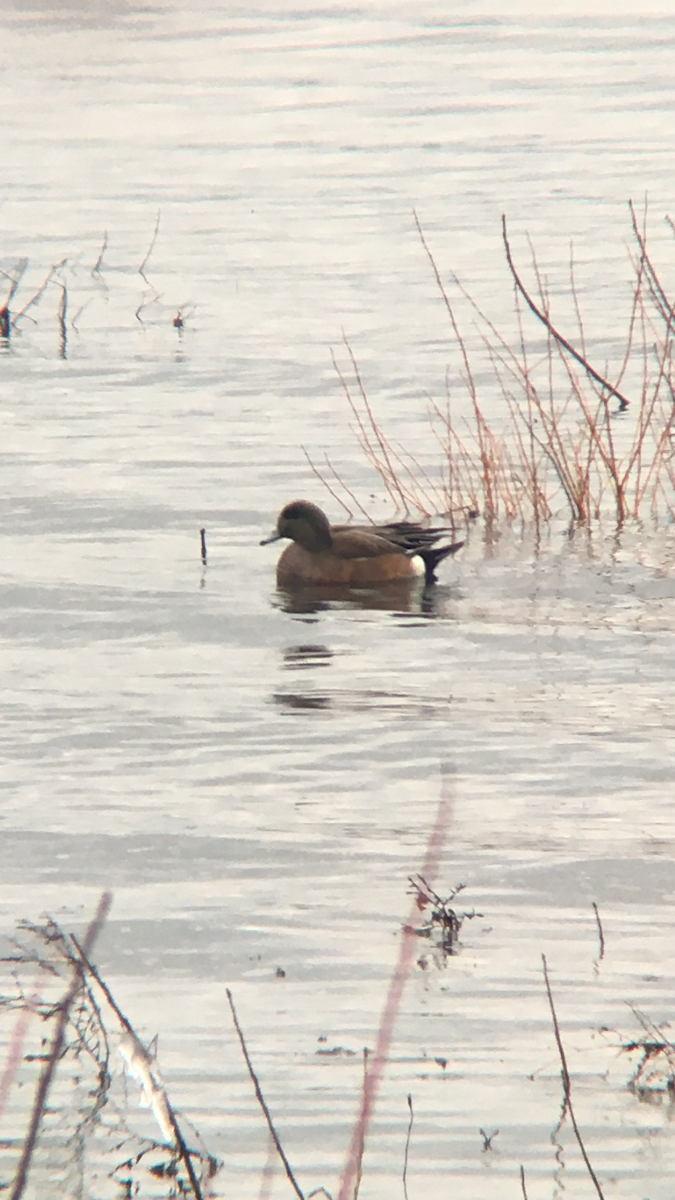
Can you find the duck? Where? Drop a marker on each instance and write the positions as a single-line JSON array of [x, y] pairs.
[[356, 556]]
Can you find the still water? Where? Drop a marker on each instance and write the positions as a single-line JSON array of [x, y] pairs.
[[255, 780]]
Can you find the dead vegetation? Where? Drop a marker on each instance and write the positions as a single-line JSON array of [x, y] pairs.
[[545, 434], [79, 1108], [72, 277], [653, 1079], [442, 924]]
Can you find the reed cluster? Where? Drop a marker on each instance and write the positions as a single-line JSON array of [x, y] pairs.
[[563, 439]]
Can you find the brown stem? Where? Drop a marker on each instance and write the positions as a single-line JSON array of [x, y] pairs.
[[567, 1083]]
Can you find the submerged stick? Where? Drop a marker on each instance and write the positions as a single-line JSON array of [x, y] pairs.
[[261, 1099], [63, 309], [407, 1148], [96, 269], [623, 402], [47, 1075], [567, 1085], [522, 1183], [601, 934], [141, 269]]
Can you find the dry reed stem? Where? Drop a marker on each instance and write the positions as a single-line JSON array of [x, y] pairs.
[[261, 1099], [370, 433], [560, 441], [341, 483], [481, 424], [567, 1083], [661, 302]]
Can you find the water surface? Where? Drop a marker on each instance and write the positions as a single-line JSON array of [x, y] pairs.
[[255, 779]]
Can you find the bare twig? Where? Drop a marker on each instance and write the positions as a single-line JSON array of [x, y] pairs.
[[330, 489], [202, 541], [261, 1099], [482, 431], [663, 305], [567, 1084], [47, 1075], [623, 402]]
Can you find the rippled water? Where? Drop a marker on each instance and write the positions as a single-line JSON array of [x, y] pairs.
[[256, 780]]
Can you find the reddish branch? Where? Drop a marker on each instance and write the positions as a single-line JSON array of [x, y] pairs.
[[623, 402]]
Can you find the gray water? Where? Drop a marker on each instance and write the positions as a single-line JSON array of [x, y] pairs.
[[256, 783]]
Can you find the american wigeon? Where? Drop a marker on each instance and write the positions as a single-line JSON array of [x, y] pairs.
[[355, 555]]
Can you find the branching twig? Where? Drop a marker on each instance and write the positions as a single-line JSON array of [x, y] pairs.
[[623, 402]]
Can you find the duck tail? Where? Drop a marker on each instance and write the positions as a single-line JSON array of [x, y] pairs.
[[433, 556]]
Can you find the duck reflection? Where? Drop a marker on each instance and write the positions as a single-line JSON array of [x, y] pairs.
[[298, 657], [295, 700], [404, 596], [301, 658]]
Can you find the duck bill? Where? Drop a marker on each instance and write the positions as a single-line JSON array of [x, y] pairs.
[[274, 537]]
